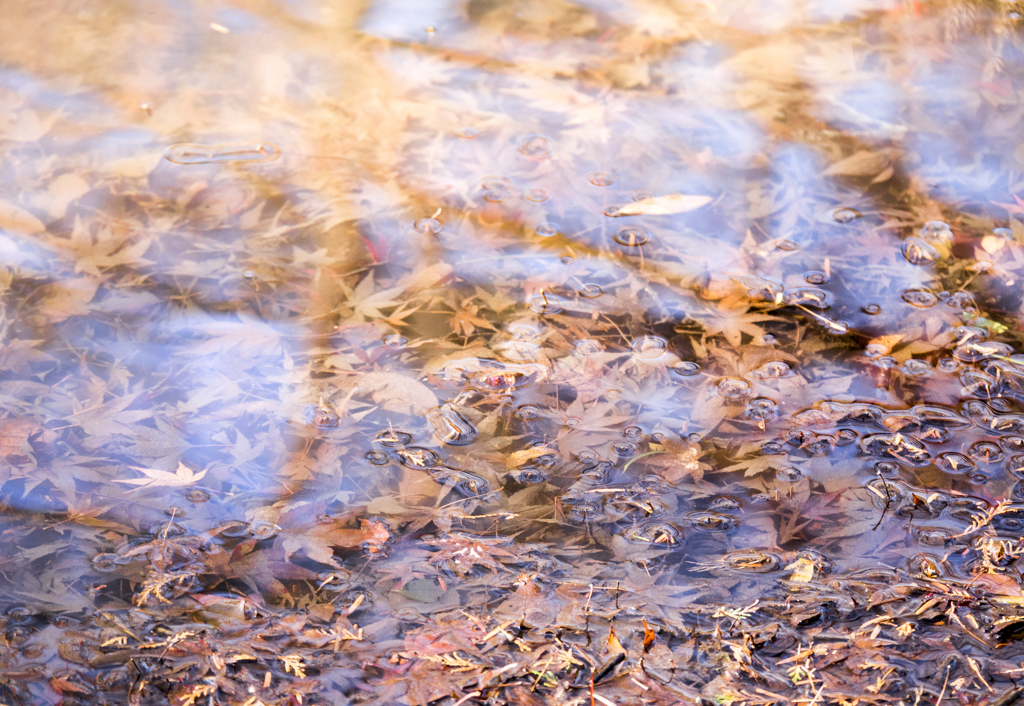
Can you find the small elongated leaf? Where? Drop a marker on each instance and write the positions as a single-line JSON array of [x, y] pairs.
[[661, 205]]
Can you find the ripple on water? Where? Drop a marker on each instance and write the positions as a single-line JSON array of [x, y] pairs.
[[427, 225], [734, 388], [918, 251], [921, 298], [752, 561], [545, 303], [450, 426], [648, 347], [631, 236], [711, 521], [845, 215], [686, 368], [536, 146]]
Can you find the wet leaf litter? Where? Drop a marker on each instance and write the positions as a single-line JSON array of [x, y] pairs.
[[527, 353]]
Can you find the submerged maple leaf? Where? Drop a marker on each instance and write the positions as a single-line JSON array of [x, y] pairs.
[[156, 478]]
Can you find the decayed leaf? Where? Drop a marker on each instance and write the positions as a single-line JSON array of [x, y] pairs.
[[14, 432], [863, 163], [156, 478], [803, 570], [661, 205], [518, 458], [16, 219]]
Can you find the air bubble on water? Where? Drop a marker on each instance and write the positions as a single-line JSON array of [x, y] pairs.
[[762, 409], [631, 236], [197, 495], [494, 182], [916, 367], [591, 290], [450, 426], [537, 195], [393, 439], [249, 274], [734, 388], [520, 351], [789, 475], [772, 369], [686, 368], [921, 298], [659, 533], [919, 252], [395, 341], [600, 178], [981, 267], [325, 418], [587, 347], [536, 146], [587, 456], [566, 260], [948, 365], [887, 469], [547, 230], [528, 412], [808, 296], [871, 309], [952, 462], [787, 245], [523, 331], [234, 529], [377, 458], [815, 277], [772, 448], [711, 521], [725, 503], [254, 151], [494, 196], [632, 433], [264, 530], [624, 449], [933, 536], [572, 423], [529, 474], [768, 340], [613, 394], [846, 436], [936, 232], [1003, 233], [415, 457], [975, 351], [648, 347], [986, 452], [545, 303], [174, 511], [845, 215], [467, 133], [427, 225], [752, 561]]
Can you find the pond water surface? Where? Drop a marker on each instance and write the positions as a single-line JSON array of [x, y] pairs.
[[415, 351]]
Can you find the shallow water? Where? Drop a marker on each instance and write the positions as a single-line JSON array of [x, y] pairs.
[[321, 317]]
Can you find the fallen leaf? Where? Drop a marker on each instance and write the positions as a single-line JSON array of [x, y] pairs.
[[803, 570], [661, 205], [155, 478]]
